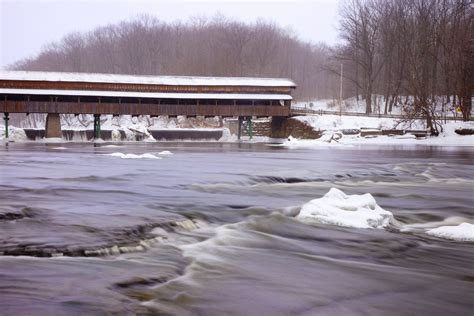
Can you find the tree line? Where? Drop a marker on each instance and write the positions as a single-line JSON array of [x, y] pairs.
[[415, 52], [203, 46]]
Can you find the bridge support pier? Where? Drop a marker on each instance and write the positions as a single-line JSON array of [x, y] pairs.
[[53, 126], [96, 126], [277, 126], [282, 127], [239, 131], [5, 118], [250, 127]]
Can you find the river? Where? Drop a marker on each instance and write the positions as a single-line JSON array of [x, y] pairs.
[[211, 229]]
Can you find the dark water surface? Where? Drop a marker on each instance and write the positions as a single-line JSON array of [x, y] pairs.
[[211, 230]]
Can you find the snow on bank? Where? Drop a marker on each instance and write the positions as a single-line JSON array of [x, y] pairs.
[[337, 208], [133, 156], [327, 139], [14, 134], [332, 125], [461, 232], [336, 122]]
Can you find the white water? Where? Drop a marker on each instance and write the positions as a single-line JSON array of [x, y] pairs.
[[133, 156]]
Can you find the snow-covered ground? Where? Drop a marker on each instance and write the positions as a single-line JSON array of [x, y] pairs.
[[333, 124], [378, 105], [336, 122], [14, 134]]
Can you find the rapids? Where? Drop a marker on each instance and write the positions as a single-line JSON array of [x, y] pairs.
[[235, 229]]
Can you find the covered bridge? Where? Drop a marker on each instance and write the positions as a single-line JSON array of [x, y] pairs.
[[57, 93]]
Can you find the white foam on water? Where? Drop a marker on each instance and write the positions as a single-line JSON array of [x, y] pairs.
[[133, 156], [53, 140], [432, 178], [450, 221], [461, 232], [111, 146], [227, 136], [165, 152], [337, 208], [59, 148]]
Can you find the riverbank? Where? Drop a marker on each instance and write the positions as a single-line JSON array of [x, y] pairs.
[[335, 130]]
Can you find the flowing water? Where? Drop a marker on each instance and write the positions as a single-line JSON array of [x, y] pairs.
[[212, 230]]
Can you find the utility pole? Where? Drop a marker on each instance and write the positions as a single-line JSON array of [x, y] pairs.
[[340, 91]]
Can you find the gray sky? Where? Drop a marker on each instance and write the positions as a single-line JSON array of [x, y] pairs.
[[27, 25]]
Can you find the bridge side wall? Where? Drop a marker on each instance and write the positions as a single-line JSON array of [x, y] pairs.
[[141, 109]]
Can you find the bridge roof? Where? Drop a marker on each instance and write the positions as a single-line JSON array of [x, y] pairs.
[[157, 95], [155, 80]]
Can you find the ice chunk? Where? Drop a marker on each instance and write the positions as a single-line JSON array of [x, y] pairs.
[[116, 136], [337, 208], [165, 152], [461, 232], [133, 156]]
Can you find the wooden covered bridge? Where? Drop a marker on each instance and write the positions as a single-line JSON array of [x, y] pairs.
[[57, 93]]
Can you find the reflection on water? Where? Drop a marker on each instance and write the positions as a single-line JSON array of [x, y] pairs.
[[211, 230]]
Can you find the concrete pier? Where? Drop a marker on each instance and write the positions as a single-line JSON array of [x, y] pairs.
[[53, 126]]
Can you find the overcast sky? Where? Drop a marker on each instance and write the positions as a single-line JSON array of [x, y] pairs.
[[27, 25]]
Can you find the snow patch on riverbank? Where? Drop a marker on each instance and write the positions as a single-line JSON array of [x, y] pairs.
[[461, 232], [14, 134], [334, 124], [337, 208]]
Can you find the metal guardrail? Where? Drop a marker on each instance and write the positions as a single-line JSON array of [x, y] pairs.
[[305, 111]]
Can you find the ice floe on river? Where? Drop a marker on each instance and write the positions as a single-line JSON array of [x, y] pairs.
[[134, 156], [337, 208], [165, 152], [461, 232], [362, 211], [145, 155]]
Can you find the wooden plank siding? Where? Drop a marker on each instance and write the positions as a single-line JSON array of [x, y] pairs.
[[11, 106], [95, 86], [46, 92]]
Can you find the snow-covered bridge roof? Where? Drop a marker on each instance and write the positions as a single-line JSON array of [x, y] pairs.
[[154, 80], [156, 95]]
